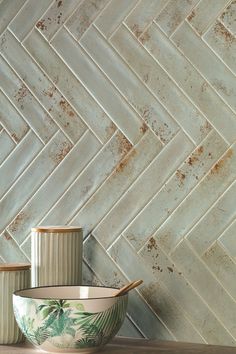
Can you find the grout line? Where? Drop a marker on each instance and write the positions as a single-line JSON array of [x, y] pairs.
[[28, 166], [75, 180], [9, 134], [180, 24], [85, 88], [31, 92], [224, 231], [103, 183], [137, 292], [226, 227], [151, 91], [182, 90], [207, 213], [168, 256], [204, 41], [130, 104], [25, 240], [110, 81], [58, 124], [123, 194], [136, 326], [22, 116], [9, 152], [217, 55], [200, 218], [203, 75], [13, 18], [187, 196], [44, 182], [165, 289], [156, 195], [224, 249], [137, 179], [48, 8], [174, 83], [80, 2], [49, 40], [148, 25], [92, 21], [61, 92], [92, 95], [124, 19], [221, 243], [16, 147], [212, 274], [209, 24], [102, 282], [14, 108]]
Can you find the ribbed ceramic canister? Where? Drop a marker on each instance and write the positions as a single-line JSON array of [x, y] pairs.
[[56, 255], [12, 277]]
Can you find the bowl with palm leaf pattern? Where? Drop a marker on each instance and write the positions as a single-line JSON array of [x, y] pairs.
[[69, 319]]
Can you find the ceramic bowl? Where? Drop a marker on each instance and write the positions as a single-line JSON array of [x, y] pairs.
[[69, 319]]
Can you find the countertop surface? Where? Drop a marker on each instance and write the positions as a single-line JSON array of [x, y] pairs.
[[136, 346]]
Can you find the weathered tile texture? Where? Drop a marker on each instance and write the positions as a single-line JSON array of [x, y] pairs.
[[119, 115]]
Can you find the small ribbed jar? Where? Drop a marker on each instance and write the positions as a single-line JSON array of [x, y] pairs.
[[56, 255], [12, 277]]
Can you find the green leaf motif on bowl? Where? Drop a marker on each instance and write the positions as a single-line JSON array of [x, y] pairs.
[[64, 324]]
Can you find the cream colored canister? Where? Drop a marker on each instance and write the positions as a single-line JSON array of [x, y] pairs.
[[56, 255], [12, 277]]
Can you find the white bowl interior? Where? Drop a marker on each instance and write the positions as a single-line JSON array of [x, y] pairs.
[[67, 292]]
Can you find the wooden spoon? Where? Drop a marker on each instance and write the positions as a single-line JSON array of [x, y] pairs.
[[128, 287]]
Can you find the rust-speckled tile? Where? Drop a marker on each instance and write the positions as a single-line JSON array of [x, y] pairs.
[[120, 116]]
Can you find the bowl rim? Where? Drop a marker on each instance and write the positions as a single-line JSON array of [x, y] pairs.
[[17, 292]]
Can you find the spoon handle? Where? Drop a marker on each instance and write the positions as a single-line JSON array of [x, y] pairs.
[[128, 287]]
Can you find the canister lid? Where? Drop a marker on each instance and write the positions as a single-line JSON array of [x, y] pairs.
[[6, 267], [56, 229]]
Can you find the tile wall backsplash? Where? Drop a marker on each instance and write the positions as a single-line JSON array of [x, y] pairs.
[[119, 116]]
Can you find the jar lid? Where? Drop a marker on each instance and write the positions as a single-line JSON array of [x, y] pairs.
[[56, 229], [6, 267]]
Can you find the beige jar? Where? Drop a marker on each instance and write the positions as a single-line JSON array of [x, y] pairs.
[[56, 255], [12, 277]]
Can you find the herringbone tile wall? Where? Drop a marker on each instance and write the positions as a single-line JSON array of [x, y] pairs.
[[119, 115]]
